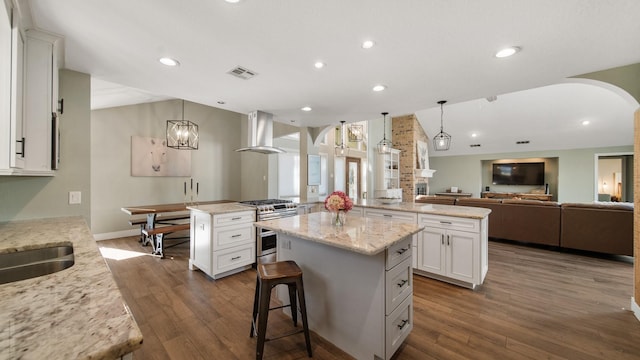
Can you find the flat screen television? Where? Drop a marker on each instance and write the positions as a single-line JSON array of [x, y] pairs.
[[518, 173]]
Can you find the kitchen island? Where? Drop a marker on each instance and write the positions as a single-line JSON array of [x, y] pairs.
[[76, 313], [357, 278]]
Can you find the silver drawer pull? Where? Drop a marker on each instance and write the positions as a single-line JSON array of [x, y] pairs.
[[401, 283], [236, 218], [236, 235], [403, 324], [387, 215], [235, 258], [445, 222], [402, 251]]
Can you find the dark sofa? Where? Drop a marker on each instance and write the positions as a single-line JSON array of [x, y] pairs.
[[532, 221], [605, 228], [599, 227]]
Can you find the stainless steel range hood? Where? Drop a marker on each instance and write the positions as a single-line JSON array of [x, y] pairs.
[[260, 133]]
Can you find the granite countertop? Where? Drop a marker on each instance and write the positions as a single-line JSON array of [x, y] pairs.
[[433, 209], [363, 235], [222, 208], [76, 313]]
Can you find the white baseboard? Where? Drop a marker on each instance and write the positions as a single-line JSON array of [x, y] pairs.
[[116, 234], [635, 308]]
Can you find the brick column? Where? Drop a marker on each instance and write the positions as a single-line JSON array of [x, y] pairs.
[[406, 131]]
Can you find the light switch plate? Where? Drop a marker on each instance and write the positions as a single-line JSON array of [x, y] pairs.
[[75, 197]]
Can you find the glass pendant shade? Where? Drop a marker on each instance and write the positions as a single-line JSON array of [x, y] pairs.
[[182, 134], [384, 146], [342, 150], [442, 140]]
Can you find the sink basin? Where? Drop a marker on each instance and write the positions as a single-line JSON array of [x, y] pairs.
[[27, 264]]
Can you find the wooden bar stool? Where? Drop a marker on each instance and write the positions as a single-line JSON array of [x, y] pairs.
[[270, 275]]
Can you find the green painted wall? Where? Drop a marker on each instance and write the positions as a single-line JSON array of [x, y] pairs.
[[215, 165], [39, 197], [575, 177]]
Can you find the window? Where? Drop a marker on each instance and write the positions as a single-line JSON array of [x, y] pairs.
[[324, 179], [288, 175]]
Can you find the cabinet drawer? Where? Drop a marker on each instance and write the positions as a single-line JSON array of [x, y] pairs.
[[392, 215], [448, 222], [233, 258], [398, 326], [398, 285], [234, 218], [228, 236], [398, 252]]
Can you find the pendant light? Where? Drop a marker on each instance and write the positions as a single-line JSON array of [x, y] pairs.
[[442, 141], [342, 150], [384, 146], [182, 134]]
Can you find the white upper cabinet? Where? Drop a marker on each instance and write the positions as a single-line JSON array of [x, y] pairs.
[[28, 98], [16, 154], [5, 87]]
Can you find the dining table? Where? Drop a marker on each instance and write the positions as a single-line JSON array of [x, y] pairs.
[[154, 214]]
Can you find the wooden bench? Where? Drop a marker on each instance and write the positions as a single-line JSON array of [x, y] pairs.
[[157, 236], [142, 222]]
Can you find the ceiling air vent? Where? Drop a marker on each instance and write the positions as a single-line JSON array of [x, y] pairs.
[[242, 73], [522, 142], [474, 145]]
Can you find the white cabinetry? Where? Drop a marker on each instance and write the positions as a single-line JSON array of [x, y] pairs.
[[8, 131], [16, 144], [27, 140], [387, 181], [403, 216], [453, 249], [222, 244]]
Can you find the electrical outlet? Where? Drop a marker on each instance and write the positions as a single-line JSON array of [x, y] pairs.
[[75, 197]]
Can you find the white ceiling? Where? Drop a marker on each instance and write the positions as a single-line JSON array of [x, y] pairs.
[[426, 50]]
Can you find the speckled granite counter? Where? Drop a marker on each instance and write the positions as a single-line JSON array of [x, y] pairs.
[[221, 208], [362, 235], [435, 209], [76, 313]]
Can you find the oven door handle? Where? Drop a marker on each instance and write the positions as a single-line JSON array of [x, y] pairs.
[[266, 233]]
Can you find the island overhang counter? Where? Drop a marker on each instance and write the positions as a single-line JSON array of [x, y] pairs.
[[357, 278]]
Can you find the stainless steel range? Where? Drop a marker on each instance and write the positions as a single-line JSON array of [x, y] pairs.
[[266, 240]]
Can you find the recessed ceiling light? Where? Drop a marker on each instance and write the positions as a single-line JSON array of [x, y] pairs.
[[306, 108], [379, 88], [319, 64], [232, 1], [368, 44], [586, 122], [474, 135], [506, 52], [169, 61]]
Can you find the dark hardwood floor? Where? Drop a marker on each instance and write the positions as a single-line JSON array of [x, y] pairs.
[[535, 304]]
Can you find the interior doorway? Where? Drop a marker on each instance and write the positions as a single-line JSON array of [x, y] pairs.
[[353, 179], [614, 177]]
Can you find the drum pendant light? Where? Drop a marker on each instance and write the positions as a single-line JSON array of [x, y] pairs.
[[442, 141], [384, 146], [342, 149], [182, 134]]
